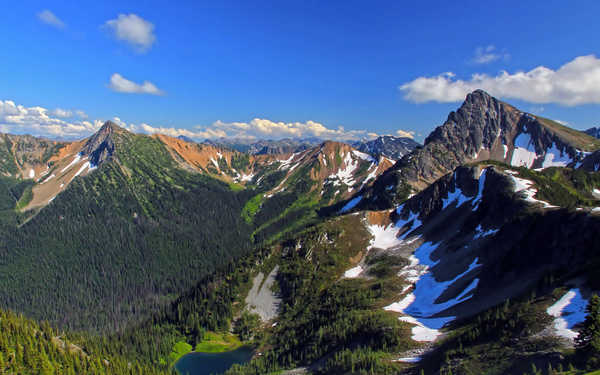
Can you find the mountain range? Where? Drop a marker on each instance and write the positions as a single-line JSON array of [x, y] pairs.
[[476, 252]]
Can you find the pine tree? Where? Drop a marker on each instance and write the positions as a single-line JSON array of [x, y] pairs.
[[589, 337]]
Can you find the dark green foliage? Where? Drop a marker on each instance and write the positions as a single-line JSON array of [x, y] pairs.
[[588, 341], [360, 361], [36, 349], [117, 245], [246, 325], [240, 161], [322, 315]]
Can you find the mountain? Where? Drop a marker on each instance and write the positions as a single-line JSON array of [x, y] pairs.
[[148, 204], [438, 265], [389, 146], [594, 132], [98, 246], [483, 128], [475, 253], [265, 147], [24, 156]]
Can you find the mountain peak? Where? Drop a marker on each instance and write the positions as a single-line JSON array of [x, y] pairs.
[[101, 145], [110, 127]]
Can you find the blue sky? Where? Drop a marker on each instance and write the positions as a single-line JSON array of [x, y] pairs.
[[291, 68]]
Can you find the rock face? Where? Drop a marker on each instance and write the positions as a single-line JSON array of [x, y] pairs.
[[483, 128], [594, 132], [100, 147], [388, 146]]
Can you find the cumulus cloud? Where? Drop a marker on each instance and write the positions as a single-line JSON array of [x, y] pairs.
[[405, 134], [256, 129], [119, 83], [576, 82], [40, 121], [64, 113], [50, 18], [132, 29], [176, 132], [488, 54], [264, 128]]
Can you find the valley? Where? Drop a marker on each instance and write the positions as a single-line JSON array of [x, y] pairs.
[[476, 252]]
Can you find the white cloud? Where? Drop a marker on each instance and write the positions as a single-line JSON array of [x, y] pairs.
[[488, 54], [176, 132], [64, 113], [576, 82], [263, 128], [132, 29], [121, 84], [405, 134], [81, 114], [255, 129], [50, 18], [40, 121]]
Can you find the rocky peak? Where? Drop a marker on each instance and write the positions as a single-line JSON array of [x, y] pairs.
[[101, 146], [388, 146]]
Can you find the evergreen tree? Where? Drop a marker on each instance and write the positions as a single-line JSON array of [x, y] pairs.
[[588, 340]]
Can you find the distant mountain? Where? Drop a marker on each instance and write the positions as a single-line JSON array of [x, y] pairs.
[[594, 132], [388, 146], [187, 139], [154, 204], [266, 147]]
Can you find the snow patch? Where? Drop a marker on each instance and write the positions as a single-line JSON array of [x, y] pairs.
[[247, 177], [455, 196], [286, 163], [420, 305], [408, 359], [479, 232], [346, 175], [351, 204], [48, 179], [73, 162], [556, 158], [479, 195], [83, 168], [524, 152], [353, 272], [384, 237], [568, 311], [363, 156], [524, 186]]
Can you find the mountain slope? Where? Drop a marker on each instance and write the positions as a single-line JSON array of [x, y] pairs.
[[594, 132], [155, 206], [483, 128], [306, 181], [120, 241], [473, 240], [388, 146]]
